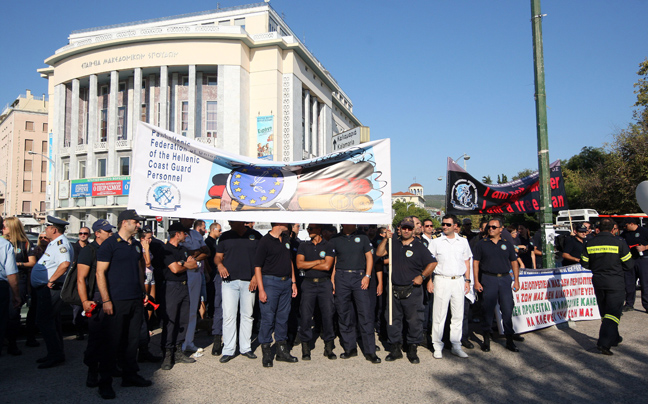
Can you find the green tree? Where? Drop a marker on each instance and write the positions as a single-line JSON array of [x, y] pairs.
[[522, 174], [404, 209], [487, 179], [641, 89]]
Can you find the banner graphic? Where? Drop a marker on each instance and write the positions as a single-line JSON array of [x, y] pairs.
[[467, 196], [265, 137], [100, 186], [179, 177]]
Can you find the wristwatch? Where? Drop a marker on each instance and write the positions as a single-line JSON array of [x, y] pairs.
[[182, 263], [423, 276]]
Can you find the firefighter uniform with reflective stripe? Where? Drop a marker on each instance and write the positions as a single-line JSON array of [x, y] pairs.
[[608, 257]]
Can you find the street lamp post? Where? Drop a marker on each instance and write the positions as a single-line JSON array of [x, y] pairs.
[[52, 189], [464, 157]]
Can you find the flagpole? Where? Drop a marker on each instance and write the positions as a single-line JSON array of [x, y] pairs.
[[391, 293]]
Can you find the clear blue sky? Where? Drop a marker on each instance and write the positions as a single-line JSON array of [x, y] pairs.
[[440, 78]]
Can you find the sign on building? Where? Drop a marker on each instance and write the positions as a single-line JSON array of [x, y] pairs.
[[351, 137]]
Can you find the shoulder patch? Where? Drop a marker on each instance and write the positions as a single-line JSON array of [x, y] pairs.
[[435, 236], [463, 236], [60, 242], [63, 250]]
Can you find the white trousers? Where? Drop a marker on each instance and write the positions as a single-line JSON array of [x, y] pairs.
[[194, 282], [446, 291]]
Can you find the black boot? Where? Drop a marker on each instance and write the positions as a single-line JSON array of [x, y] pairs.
[[93, 377], [396, 353], [306, 351], [167, 362], [328, 350], [266, 349], [412, 355], [144, 355], [180, 357], [510, 345], [283, 353], [217, 348], [486, 345]]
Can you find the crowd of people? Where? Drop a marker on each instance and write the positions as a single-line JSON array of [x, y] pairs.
[[286, 291]]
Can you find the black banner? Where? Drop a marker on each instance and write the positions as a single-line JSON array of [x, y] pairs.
[[467, 196]]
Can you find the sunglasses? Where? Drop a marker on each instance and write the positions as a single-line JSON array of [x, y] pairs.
[[492, 227], [429, 225], [42, 238], [446, 224], [407, 228], [84, 234]]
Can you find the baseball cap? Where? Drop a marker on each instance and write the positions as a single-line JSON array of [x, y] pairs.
[[129, 214], [102, 224]]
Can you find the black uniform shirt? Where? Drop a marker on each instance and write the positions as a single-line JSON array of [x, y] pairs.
[[315, 252], [88, 256], [123, 274], [238, 253], [409, 261], [607, 257], [494, 258], [574, 248], [174, 254], [273, 256], [350, 251], [633, 238], [24, 251]]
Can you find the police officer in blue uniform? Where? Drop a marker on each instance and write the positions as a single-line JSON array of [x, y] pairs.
[[637, 239], [493, 257], [47, 279], [9, 290], [352, 274], [315, 257]]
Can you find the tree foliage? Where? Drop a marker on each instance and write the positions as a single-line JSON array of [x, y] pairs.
[[522, 174], [486, 179], [403, 209]]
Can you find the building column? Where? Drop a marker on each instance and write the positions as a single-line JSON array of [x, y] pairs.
[[93, 119], [151, 100], [111, 163], [136, 112], [327, 130], [315, 134], [164, 97], [173, 121], [233, 111], [307, 144], [191, 127], [74, 129], [198, 116], [58, 141]]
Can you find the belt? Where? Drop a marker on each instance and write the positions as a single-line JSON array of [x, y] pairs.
[[281, 278], [316, 280], [449, 277], [494, 274], [351, 270]]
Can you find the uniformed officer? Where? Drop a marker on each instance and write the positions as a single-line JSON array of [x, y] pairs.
[[493, 257], [47, 278], [315, 257], [276, 281], [637, 239], [177, 261], [120, 280], [608, 257], [574, 246], [412, 264], [9, 290], [351, 277], [98, 333]]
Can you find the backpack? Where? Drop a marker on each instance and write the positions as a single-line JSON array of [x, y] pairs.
[[69, 292]]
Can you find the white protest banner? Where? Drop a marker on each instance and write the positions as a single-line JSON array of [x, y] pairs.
[[553, 296], [175, 176]]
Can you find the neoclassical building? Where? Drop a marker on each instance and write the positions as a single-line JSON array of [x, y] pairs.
[[235, 78], [413, 195]]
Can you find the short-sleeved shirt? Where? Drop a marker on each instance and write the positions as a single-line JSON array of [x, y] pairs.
[[57, 252], [7, 260], [574, 248], [123, 274], [238, 253], [350, 251], [88, 256], [494, 258], [273, 256], [451, 253], [409, 261], [315, 252], [174, 254], [24, 251], [77, 247], [194, 241], [211, 243], [633, 238]]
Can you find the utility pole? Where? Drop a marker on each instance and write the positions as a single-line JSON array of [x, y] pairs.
[[546, 209]]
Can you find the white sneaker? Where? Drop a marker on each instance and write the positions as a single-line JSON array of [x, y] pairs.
[[193, 348], [438, 354], [458, 352]]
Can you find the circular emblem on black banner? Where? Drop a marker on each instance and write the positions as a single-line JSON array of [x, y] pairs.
[[464, 195]]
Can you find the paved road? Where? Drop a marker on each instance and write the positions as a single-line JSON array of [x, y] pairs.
[[554, 365]]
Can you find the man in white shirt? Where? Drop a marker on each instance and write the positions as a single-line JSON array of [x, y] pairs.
[[451, 283]]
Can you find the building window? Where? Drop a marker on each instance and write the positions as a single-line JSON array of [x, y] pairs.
[[45, 127], [43, 166], [103, 90], [104, 126], [28, 166], [143, 113], [122, 87], [211, 118], [26, 207], [29, 145], [185, 81], [101, 167], [185, 118], [42, 207], [239, 22], [43, 186], [224, 22], [212, 80], [121, 123], [29, 126], [273, 26], [44, 146], [124, 166], [82, 169], [66, 171], [26, 185]]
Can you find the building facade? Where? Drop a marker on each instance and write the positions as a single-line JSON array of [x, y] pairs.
[[24, 129], [236, 78], [414, 195]]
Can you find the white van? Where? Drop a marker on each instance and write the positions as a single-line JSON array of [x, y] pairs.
[[576, 215]]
